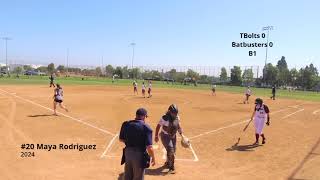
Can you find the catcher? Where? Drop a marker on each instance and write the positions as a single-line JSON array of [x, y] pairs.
[[170, 123]]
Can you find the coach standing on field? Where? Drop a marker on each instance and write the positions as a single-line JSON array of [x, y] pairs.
[[137, 136], [273, 93]]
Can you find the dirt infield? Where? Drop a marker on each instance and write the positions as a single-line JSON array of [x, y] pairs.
[[213, 123]]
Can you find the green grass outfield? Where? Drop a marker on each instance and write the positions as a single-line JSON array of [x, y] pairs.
[[24, 80]]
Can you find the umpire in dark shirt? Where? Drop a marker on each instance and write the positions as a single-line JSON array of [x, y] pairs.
[[137, 136], [273, 93]]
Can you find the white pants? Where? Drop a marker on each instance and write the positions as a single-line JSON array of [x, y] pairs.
[[259, 124]]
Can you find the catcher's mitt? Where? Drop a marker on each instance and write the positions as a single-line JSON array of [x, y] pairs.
[[185, 142]]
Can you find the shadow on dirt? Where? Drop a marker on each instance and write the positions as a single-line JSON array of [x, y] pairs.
[[156, 172], [151, 172], [249, 147]]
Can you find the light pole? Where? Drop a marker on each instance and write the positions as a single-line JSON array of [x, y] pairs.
[[102, 68], [67, 61], [6, 39], [132, 45], [266, 28]]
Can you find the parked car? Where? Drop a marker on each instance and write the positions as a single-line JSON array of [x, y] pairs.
[[32, 73]]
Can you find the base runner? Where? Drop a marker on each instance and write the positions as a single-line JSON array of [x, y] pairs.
[[58, 99], [260, 115]]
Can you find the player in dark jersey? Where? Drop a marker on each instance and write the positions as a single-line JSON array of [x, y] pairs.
[[273, 93], [51, 78]]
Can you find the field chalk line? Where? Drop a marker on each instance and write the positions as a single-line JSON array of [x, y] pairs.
[[316, 111], [67, 116], [292, 113], [238, 123], [109, 146], [195, 157]]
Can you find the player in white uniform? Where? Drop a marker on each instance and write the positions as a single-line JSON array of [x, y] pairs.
[[247, 94], [135, 87], [143, 89], [149, 90], [214, 89], [260, 115], [58, 98]]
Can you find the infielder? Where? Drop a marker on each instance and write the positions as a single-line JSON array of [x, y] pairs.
[[58, 98], [247, 95], [143, 89], [170, 123], [260, 115], [214, 89], [149, 90], [135, 87]]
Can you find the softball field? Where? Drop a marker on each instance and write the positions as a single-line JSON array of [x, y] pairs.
[[212, 123]]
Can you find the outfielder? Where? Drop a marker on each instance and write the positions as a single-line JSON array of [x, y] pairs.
[[247, 94], [260, 115], [170, 123]]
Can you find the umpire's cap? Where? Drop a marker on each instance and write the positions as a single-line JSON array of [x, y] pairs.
[[142, 112], [173, 108], [259, 101]]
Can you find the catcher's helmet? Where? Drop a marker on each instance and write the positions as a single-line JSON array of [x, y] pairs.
[[259, 101], [173, 108]]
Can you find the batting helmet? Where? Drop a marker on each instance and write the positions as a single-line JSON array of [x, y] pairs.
[[173, 108], [259, 101]]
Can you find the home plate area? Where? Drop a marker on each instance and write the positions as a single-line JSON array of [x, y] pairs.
[[182, 154]]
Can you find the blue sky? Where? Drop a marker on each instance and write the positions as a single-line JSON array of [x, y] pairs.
[[167, 32]]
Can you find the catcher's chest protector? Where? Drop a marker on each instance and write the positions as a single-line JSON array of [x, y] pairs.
[[173, 125]]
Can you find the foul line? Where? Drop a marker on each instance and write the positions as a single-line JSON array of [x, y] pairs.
[[70, 117], [194, 154], [316, 111], [231, 125], [292, 113], [109, 146], [195, 159]]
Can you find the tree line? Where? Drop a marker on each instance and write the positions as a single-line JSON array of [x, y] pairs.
[[273, 75], [279, 75]]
